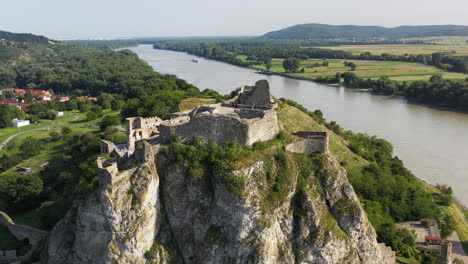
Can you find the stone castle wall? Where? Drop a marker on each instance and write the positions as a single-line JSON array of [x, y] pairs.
[[139, 128], [313, 142], [220, 128]]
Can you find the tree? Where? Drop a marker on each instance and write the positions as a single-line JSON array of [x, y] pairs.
[[109, 120], [352, 65], [325, 64], [291, 64], [91, 116], [20, 191], [52, 114], [66, 131], [31, 146], [268, 63], [54, 135]]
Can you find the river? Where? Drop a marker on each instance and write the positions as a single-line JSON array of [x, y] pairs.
[[432, 143]]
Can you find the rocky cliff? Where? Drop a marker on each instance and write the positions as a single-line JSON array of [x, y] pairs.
[[203, 203]]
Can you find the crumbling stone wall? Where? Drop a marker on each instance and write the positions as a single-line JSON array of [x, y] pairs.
[[114, 150], [313, 142], [220, 128], [21, 232], [139, 128], [255, 95]]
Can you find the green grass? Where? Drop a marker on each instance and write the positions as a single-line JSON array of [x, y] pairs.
[[460, 48], [395, 70], [409, 260], [191, 103], [8, 131], [461, 226]]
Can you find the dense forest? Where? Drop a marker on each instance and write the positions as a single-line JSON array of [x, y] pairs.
[[121, 83], [323, 31]]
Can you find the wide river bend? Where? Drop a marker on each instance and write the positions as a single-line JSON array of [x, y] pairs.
[[432, 143]]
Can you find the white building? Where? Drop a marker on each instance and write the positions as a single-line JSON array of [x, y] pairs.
[[19, 123], [61, 113]]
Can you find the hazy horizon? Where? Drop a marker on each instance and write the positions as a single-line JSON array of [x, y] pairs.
[[146, 18]]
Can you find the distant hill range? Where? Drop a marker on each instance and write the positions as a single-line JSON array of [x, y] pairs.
[[22, 37], [323, 31]]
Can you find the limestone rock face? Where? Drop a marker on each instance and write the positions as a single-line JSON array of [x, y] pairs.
[[181, 218], [114, 225]]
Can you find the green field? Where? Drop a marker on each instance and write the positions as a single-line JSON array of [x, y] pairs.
[[53, 150], [401, 71], [460, 49]]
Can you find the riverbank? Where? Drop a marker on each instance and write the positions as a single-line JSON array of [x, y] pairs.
[[398, 77], [414, 131]]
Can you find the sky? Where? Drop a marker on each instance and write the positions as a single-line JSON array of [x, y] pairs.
[[65, 19]]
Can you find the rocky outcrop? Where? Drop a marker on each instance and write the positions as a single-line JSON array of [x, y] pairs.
[[160, 212], [114, 225]]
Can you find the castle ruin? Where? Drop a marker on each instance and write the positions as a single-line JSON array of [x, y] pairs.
[[247, 118]]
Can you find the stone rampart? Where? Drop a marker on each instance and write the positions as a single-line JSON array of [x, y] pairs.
[[243, 127], [114, 150], [255, 95], [107, 171], [139, 128], [312, 142], [21, 232]]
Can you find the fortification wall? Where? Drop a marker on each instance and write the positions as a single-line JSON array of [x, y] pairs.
[[309, 145], [258, 95], [21, 231], [112, 149], [139, 128], [218, 128], [262, 129]]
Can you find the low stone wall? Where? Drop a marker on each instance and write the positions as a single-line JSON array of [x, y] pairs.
[[114, 150], [308, 145], [21, 231]]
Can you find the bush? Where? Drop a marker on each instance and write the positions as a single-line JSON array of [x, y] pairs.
[[66, 131], [54, 135], [91, 116], [31, 146], [109, 120], [20, 191]]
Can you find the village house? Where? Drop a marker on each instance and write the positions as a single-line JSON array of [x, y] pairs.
[[19, 123]]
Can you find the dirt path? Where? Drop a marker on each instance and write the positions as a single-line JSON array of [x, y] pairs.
[[10, 138], [457, 248]]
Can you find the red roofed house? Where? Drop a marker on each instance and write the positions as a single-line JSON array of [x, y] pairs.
[[20, 91], [63, 98], [93, 99], [10, 102], [45, 97], [434, 234]]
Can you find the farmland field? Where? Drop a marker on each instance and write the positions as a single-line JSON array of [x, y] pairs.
[[402, 71], [460, 49]]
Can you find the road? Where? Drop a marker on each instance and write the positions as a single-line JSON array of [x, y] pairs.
[[10, 138], [457, 248]]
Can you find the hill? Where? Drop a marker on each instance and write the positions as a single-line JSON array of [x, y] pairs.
[[323, 31], [22, 37]]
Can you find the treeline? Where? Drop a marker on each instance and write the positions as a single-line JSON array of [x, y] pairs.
[[229, 50], [105, 44], [435, 91], [22, 37]]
